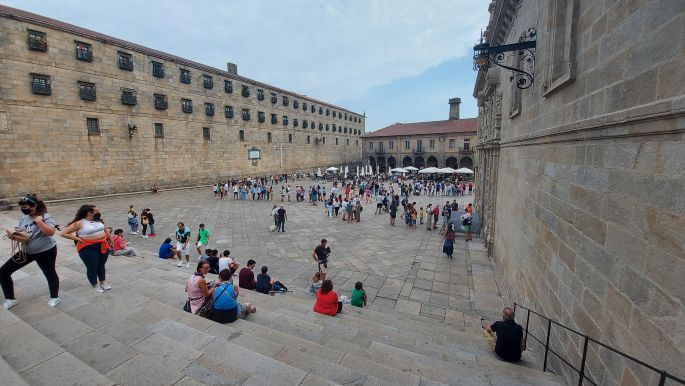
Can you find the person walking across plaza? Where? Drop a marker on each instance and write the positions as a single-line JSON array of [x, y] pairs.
[[203, 236], [40, 247], [92, 243], [282, 217], [182, 241], [320, 255], [448, 241], [429, 217]]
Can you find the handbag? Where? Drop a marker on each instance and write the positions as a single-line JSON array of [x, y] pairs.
[[19, 235], [207, 306], [19, 239]]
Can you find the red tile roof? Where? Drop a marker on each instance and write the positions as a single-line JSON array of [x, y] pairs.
[[18, 14], [469, 125]]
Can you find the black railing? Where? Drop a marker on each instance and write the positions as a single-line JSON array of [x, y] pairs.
[[582, 376]]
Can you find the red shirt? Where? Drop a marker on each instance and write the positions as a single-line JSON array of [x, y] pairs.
[[326, 304], [119, 243], [246, 279]]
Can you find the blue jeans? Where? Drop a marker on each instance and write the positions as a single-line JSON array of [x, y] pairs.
[[281, 225], [94, 262]]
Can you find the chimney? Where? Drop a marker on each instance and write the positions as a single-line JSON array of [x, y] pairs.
[[232, 68], [454, 108]]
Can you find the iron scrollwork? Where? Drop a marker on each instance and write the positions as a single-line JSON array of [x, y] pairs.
[[523, 54]]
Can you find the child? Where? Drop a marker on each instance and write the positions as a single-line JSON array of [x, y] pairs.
[[358, 295], [315, 284], [421, 213]]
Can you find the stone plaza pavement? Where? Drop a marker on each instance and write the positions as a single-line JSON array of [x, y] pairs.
[[402, 269]]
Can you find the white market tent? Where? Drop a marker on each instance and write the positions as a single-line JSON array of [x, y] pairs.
[[429, 170], [464, 171], [332, 169], [447, 170], [411, 168], [398, 170]]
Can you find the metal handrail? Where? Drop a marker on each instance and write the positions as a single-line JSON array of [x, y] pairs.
[[664, 375]]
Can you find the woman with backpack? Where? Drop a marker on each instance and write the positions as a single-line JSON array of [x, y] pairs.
[[448, 245]]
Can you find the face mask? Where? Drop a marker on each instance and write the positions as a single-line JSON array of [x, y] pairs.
[[25, 210], [97, 216]]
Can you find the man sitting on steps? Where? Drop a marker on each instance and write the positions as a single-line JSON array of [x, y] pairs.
[[509, 342]]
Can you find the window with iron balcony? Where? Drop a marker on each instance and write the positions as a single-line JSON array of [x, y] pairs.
[[285, 120], [207, 82], [125, 61], [228, 86], [228, 111], [261, 117], [84, 52], [274, 119], [87, 91], [305, 125], [161, 102], [37, 41], [296, 104], [285, 101], [209, 109], [328, 112], [246, 115], [128, 97], [187, 106], [185, 76], [157, 70], [304, 106], [295, 122], [93, 126], [313, 109], [245, 91], [274, 98], [260, 94]]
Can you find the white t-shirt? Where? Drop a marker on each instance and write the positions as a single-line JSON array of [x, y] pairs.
[[224, 263]]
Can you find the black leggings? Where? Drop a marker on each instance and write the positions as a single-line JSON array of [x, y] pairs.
[[46, 263], [94, 262]]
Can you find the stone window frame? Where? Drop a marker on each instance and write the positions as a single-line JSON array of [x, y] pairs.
[[323, 140], [391, 145], [129, 97], [295, 122], [304, 106], [241, 135], [160, 101], [87, 91], [290, 137], [83, 51], [560, 61], [285, 100], [431, 144], [309, 140], [327, 127], [261, 117], [159, 130], [336, 141], [268, 137], [245, 114], [125, 61], [245, 91], [185, 77], [187, 105], [92, 126], [320, 110], [228, 86], [274, 119], [228, 111], [209, 109], [313, 108], [467, 144], [328, 112], [274, 98], [37, 40], [452, 143], [407, 144], [370, 145], [41, 84], [260, 94], [157, 69], [305, 124], [206, 133], [296, 104], [348, 142], [207, 81]]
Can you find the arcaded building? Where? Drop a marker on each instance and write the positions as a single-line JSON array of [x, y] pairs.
[[581, 177], [82, 113], [444, 143]]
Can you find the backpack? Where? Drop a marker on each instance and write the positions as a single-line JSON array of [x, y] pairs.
[[466, 221]]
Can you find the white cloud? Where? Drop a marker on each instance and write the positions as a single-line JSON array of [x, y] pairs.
[[332, 50]]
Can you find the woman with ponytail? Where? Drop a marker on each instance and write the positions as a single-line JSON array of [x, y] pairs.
[[40, 247], [92, 240]]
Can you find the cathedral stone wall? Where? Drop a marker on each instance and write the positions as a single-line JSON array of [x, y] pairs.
[[586, 178], [45, 145]]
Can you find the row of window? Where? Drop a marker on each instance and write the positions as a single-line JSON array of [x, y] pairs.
[[37, 41], [93, 128], [40, 84], [419, 144]]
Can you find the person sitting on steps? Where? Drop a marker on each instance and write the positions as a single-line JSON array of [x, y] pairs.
[[226, 307], [509, 342], [246, 276]]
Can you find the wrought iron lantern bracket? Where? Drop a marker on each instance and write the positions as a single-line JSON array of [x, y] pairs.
[[484, 54]]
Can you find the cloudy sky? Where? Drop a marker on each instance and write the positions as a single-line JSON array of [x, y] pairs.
[[396, 60]]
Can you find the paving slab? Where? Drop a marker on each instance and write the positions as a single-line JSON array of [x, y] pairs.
[[65, 370], [141, 370], [99, 351], [22, 347]]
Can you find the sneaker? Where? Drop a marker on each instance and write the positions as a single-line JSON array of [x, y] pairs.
[[152, 235], [106, 287], [180, 263], [54, 301], [188, 265], [99, 289], [145, 237], [9, 303], [134, 233]]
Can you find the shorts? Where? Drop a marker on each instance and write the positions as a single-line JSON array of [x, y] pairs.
[[379, 205], [200, 243], [323, 267], [180, 248], [241, 311], [466, 228], [393, 216]]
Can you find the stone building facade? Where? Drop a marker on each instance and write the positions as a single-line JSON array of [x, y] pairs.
[[423, 144], [82, 113], [582, 177]]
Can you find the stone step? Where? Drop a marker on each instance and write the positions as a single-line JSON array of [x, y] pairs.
[[40, 361]]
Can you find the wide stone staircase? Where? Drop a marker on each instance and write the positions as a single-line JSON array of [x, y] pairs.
[[137, 334]]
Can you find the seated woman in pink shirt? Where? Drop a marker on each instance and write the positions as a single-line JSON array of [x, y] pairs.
[[121, 247]]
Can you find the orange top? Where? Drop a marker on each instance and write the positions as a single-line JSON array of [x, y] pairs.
[[104, 246]]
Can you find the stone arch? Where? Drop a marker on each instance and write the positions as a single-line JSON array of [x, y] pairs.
[[432, 162], [451, 162], [372, 162], [419, 162], [407, 161], [392, 162], [466, 162], [381, 164]]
